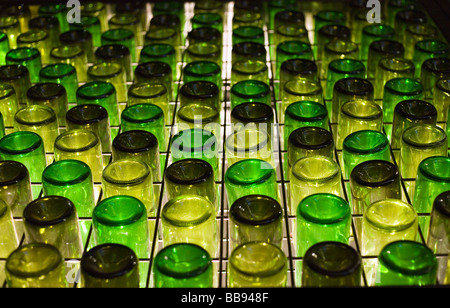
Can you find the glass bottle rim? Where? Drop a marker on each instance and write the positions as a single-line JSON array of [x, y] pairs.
[[155, 34], [310, 138], [393, 85], [22, 54], [286, 47], [180, 168], [355, 139], [248, 32], [29, 250], [104, 70], [157, 50], [434, 46], [13, 71], [241, 112], [207, 18], [57, 71], [123, 257], [209, 114], [411, 16], [67, 52], [123, 19], [208, 140], [437, 65], [308, 209], [43, 22], [379, 30], [48, 115], [361, 174], [389, 46], [82, 169], [164, 260], [334, 31], [34, 141], [442, 203], [375, 113], [291, 66], [128, 210], [32, 35], [335, 46], [242, 67], [374, 215], [75, 36], [112, 51], [117, 177], [412, 131], [6, 90], [199, 89], [334, 16], [142, 113], [231, 144], [49, 211], [94, 140], [16, 172], [434, 168], [204, 33], [314, 87], [246, 210], [422, 29], [388, 253], [192, 68], [106, 90], [315, 111], [9, 22], [246, 16], [290, 16], [278, 259], [137, 90], [249, 49], [124, 141], [169, 215], [153, 69], [117, 35], [239, 166], [443, 84], [46, 91], [318, 178], [203, 49], [346, 86], [86, 114], [346, 66], [408, 65], [240, 89], [165, 20], [416, 109], [314, 259]]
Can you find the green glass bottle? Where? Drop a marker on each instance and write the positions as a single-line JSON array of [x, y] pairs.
[[122, 220], [183, 265], [73, 55], [300, 90], [129, 177], [203, 51], [168, 20], [427, 49], [36, 265], [71, 179], [160, 52], [338, 49], [331, 264], [50, 24], [418, 32], [364, 145], [432, 70], [207, 19], [304, 113], [256, 218], [419, 142], [83, 145], [373, 180], [328, 17], [329, 33], [203, 70], [79, 37], [112, 73], [54, 220], [311, 175], [11, 26], [253, 34], [38, 39], [141, 145], [15, 187], [97, 9], [291, 50], [147, 117], [4, 47], [129, 22], [110, 265], [9, 103], [27, 148], [248, 50], [406, 263], [123, 37], [372, 33], [201, 91], [196, 143], [9, 237], [40, 119], [92, 117], [248, 18], [101, 93], [308, 141], [190, 219], [390, 68], [358, 115], [57, 10], [411, 112], [91, 24], [297, 69], [18, 76], [382, 49], [290, 33], [438, 231], [342, 68], [406, 17], [250, 91], [53, 95], [441, 98], [115, 53], [191, 176], [322, 217], [249, 70], [349, 89], [199, 116], [64, 74], [250, 177], [140, 9], [29, 57], [269, 272], [259, 115], [151, 93], [397, 90], [432, 179], [156, 72]]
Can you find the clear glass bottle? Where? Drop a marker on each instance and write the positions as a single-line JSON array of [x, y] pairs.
[[9, 235], [156, 72], [151, 93], [9, 104], [53, 95], [73, 55], [18, 77], [437, 233], [116, 53], [61, 73], [112, 73]]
